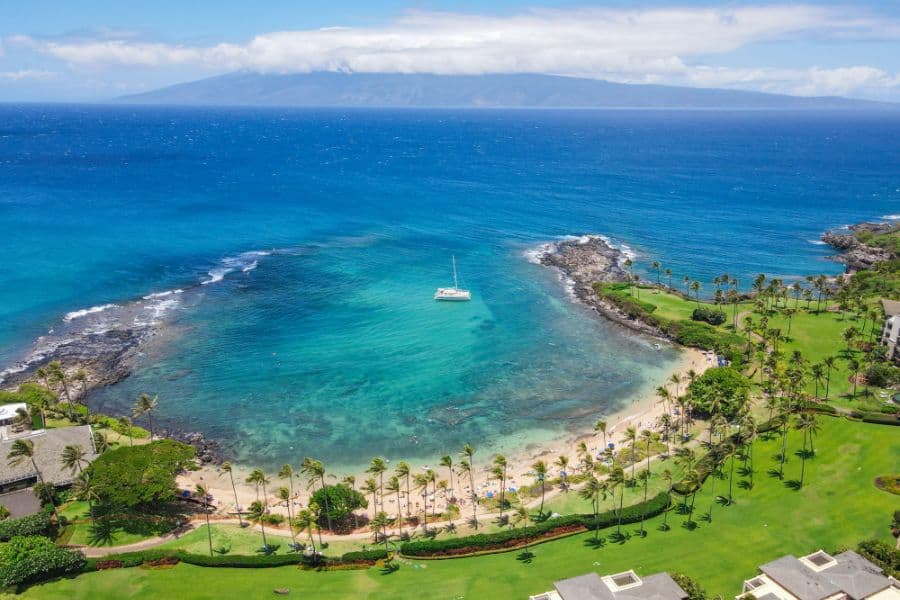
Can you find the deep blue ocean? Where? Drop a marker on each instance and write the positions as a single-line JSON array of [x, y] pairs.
[[323, 233]]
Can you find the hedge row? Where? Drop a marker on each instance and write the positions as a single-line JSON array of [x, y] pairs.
[[37, 524], [512, 538], [875, 417], [884, 555], [136, 559]]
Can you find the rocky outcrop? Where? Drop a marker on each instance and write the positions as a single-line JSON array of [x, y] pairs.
[[855, 254], [585, 261]]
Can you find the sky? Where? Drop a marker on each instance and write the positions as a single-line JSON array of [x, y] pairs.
[[94, 50]]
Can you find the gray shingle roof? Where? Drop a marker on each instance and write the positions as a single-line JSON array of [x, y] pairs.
[[48, 447], [856, 576], [591, 587], [798, 579]]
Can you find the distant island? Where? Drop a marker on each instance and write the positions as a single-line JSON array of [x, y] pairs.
[[328, 89]]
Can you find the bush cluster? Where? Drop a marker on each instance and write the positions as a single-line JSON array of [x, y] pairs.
[[114, 424], [875, 417], [692, 588], [512, 538], [710, 315], [38, 524], [882, 554], [28, 559]]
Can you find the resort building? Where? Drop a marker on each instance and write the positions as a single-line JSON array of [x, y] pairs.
[[621, 586], [48, 449], [820, 576], [9, 414], [891, 330]]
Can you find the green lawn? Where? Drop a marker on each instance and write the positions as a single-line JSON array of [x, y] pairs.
[[838, 507], [112, 530]]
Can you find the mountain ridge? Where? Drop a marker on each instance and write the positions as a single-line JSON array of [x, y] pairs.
[[336, 89]]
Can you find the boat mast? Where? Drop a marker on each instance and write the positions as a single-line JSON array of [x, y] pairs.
[[455, 283]]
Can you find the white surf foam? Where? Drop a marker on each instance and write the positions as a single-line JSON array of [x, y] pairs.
[[77, 314], [817, 242], [165, 294], [891, 217]]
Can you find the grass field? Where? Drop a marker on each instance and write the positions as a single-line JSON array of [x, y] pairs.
[[838, 507], [114, 530]]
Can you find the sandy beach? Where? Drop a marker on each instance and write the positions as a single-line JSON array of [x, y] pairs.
[[643, 413]]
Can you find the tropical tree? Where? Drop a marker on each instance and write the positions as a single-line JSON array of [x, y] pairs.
[[57, 374], [20, 451], [540, 475], [631, 436], [807, 423], [284, 494], [695, 287], [656, 267], [668, 273], [393, 486], [287, 472], [403, 470], [74, 458], [258, 478], [379, 525], [693, 480], [84, 489], [468, 453], [226, 468], [101, 442], [315, 472], [305, 521], [145, 405], [829, 362], [648, 437], [202, 492], [370, 486], [600, 426], [447, 461], [594, 491], [377, 467], [257, 514], [422, 480], [644, 477], [350, 481], [817, 371], [520, 517], [666, 476], [125, 423], [617, 480], [563, 463], [855, 365]]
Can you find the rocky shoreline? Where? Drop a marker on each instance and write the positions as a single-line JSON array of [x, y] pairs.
[[854, 254], [586, 260]]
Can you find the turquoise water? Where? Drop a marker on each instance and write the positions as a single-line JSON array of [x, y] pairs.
[[324, 340]]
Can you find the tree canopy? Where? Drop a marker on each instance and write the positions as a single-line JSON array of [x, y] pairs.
[[342, 501], [723, 391], [141, 475]]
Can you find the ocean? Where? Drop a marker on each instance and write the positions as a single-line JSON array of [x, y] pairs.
[[289, 257]]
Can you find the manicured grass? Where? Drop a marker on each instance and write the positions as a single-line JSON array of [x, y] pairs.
[[113, 530], [838, 506]]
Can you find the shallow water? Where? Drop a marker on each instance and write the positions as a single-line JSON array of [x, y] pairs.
[[322, 235]]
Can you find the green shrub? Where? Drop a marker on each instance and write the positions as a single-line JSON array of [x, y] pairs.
[[692, 588], [882, 554], [723, 385], [618, 295], [512, 538], [367, 556], [114, 424], [273, 519], [29, 559], [341, 502], [38, 524], [709, 315], [883, 375]]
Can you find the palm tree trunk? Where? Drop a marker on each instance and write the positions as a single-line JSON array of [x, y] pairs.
[[41, 479], [327, 508], [236, 503], [399, 512], [208, 529]]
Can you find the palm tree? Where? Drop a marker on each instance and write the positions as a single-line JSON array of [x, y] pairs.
[[807, 423], [520, 517], [466, 468], [447, 461], [350, 482], [145, 406], [818, 374], [601, 427], [594, 491], [668, 273], [666, 476], [83, 489], [829, 362], [305, 521], [648, 437], [19, 451], [748, 436], [468, 452], [101, 443], [379, 524], [377, 467], [315, 471], [687, 286], [393, 486], [226, 468], [258, 477], [784, 412], [617, 480], [403, 470], [656, 267], [73, 458], [631, 436], [202, 492], [644, 477], [563, 463], [501, 466], [630, 266], [125, 423], [257, 514], [284, 494], [695, 287], [854, 366], [422, 480], [371, 487], [540, 475], [693, 481], [57, 374], [287, 472], [716, 459]]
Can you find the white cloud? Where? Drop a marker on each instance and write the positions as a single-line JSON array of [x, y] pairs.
[[27, 74], [651, 45]]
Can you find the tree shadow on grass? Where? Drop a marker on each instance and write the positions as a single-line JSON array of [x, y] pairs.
[[689, 525], [101, 533], [774, 473], [664, 527], [595, 543], [793, 484], [390, 567], [525, 557], [745, 484], [619, 537], [804, 454]]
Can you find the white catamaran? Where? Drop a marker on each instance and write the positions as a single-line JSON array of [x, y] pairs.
[[454, 294]]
